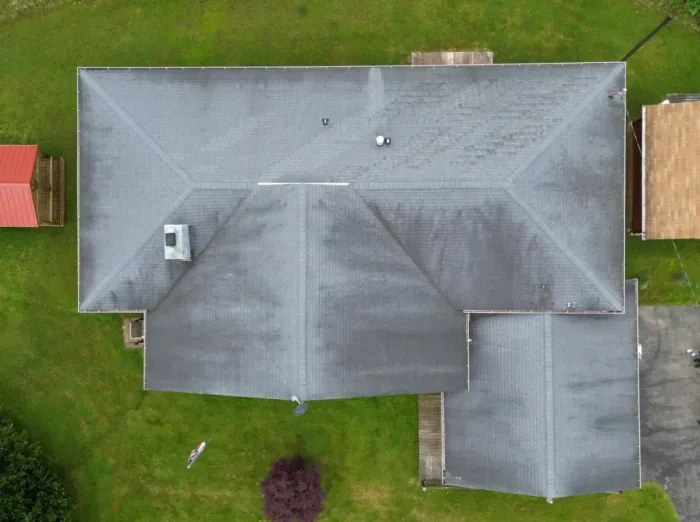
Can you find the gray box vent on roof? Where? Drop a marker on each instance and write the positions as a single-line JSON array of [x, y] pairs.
[[177, 242]]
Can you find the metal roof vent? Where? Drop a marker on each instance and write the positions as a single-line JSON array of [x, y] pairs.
[[177, 242], [383, 140]]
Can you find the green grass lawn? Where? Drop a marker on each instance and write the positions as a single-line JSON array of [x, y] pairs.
[[65, 377], [667, 275]]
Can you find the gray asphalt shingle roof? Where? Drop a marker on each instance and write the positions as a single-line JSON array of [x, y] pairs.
[[334, 310], [552, 409], [502, 190]]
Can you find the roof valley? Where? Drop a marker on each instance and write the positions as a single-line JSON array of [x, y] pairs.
[[387, 227]]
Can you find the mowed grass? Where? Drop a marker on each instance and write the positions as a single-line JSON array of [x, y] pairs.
[[65, 376], [668, 271]]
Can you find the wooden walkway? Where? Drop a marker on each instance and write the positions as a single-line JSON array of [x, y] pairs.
[[431, 428], [452, 58], [430, 438]]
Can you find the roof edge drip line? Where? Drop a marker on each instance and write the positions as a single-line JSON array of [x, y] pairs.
[[275, 183], [318, 67]]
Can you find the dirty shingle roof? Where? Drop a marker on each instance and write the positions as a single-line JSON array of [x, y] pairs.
[[502, 190], [552, 409]]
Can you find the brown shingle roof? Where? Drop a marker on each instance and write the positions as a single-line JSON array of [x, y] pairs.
[[672, 170]]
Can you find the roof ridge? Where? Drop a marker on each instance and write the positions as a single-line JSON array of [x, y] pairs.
[[164, 156], [133, 125], [563, 125], [428, 185], [423, 272], [549, 408], [583, 268], [302, 314], [118, 269]]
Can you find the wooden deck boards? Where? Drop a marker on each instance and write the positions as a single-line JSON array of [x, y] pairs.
[[452, 58], [430, 438], [51, 191]]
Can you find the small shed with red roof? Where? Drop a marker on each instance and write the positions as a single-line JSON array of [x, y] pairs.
[[32, 187]]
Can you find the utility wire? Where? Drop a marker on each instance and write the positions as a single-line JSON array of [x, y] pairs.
[[690, 285], [646, 39]]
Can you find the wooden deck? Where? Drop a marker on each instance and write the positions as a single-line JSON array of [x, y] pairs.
[[430, 438], [452, 58], [431, 432], [51, 191]]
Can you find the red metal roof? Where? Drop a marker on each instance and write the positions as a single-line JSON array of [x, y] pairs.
[[17, 206], [17, 163], [16, 168]]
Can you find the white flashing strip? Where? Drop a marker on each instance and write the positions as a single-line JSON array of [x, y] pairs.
[[639, 408], [624, 189], [77, 170], [274, 183], [145, 336], [442, 435], [469, 363], [117, 311], [405, 66], [548, 312], [644, 172]]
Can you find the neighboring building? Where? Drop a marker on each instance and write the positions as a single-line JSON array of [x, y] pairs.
[[669, 168], [358, 231], [31, 187]]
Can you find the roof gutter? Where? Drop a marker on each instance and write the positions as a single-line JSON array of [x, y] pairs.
[[644, 172], [442, 435], [77, 170], [639, 357]]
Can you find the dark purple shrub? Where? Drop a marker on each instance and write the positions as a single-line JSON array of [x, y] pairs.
[[292, 491]]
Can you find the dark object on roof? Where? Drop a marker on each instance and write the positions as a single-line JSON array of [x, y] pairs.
[[502, 191], [170, 239], [553, 406]]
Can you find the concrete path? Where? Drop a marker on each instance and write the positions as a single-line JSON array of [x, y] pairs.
[[670, 404]]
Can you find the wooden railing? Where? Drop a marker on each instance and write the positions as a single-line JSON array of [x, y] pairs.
[[430, 438], [51, 188]]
